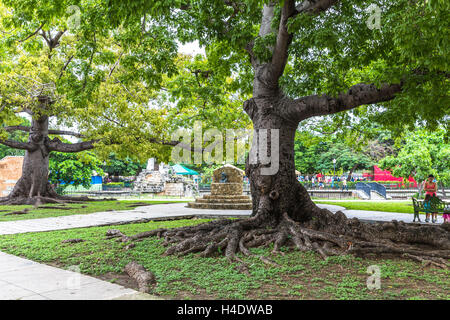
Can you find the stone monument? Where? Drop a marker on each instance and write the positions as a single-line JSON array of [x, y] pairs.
[[226, 191], [158, 178]]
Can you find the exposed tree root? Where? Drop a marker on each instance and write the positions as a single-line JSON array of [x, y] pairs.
[[38, 200], [51, 198], [24, 211], [328, 235], [73, 241], [143, 277], [56, 208], [138, 204]]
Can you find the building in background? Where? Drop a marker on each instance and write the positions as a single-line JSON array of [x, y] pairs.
[[10, 173], [379, 175]]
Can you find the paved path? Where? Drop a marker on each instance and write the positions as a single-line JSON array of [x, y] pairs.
[[376, 215], [28, 280], [163, 211], [156, 211]]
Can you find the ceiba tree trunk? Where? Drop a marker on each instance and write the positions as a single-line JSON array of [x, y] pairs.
[[34, 180], [33, 186], [283, 212], [279, 193], [275, 194]]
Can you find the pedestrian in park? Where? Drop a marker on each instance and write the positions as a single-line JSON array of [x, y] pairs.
[[430, 187], [446, 217], [344, 184]]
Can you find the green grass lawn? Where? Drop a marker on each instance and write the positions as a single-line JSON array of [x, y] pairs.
[[83, 208], [300, 275], [388, 206]]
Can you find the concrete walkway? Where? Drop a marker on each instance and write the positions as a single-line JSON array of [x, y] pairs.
[[373, 216], [28, 280], [152, 212], [164, 211]]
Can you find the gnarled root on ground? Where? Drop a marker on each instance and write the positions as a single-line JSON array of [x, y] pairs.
[[143, 277], [327, 234]]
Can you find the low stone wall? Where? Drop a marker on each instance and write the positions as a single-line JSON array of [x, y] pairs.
[[173, 189], [332, 194]]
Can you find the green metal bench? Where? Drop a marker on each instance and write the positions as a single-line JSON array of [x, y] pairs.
[[436, 205]]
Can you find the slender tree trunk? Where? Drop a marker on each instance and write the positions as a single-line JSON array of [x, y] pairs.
[[349, 177], [444, 195]]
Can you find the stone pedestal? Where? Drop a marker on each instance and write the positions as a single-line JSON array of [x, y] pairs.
[[226, 191]]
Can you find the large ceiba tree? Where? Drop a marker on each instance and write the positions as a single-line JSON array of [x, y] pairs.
[[68, 68], [299, 60], [307, 59]]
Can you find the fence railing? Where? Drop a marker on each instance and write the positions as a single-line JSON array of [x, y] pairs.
[[364, 188], [378, 188]]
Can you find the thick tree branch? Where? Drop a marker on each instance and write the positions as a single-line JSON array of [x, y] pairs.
[[56, 132], [66, 133], [33, 34], [284, 39], [57, 145], [269, 74], [314, 6], [358, 95], [18, 145], [17, 128], [52, 42]]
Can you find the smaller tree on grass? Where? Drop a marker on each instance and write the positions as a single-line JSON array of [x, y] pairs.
[[74, 169], [80, 75], [422, 153]]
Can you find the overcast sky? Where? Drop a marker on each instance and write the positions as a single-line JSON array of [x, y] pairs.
[[191, 48]]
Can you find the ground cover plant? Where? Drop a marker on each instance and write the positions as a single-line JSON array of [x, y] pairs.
[[298, 275]]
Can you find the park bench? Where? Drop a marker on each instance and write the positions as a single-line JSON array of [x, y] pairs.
[[436, 205]]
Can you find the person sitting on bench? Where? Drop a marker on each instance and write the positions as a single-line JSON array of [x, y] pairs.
[[430, 189]]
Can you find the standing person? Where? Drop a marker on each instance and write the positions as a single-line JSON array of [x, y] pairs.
[[446, 217], [344, 184], [430, 188]]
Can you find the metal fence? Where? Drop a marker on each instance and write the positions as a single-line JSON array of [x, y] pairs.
[[361, 186]]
